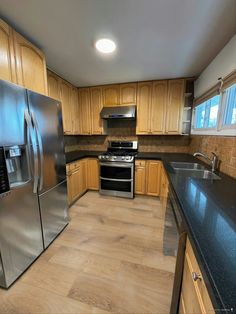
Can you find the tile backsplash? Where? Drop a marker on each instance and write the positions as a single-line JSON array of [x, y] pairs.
[[223, 146]]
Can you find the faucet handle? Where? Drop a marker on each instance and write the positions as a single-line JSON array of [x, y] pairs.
[[214, 154]]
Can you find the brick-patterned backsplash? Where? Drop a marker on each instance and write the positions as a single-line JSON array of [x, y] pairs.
[[223, 146]]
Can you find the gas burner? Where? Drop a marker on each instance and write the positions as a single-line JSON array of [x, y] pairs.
[[120, 152]]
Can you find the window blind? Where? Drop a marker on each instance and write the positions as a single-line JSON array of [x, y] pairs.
[[213, 91], [229, 80]]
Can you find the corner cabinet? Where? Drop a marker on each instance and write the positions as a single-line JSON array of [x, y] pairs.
[[54, 83], [7, 57], [194, 296], [30, 65]]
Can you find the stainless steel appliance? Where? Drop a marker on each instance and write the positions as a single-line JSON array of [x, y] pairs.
[[117, 169], [33, 193], [119, 112]]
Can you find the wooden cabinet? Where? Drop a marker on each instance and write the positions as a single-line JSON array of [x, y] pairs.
[[7, 58], [140, 177], [92, 174], [128, 94], [194, 296], [74, 181], [153, 177], [175, 106], [84, 111], [158, 107], [30, 65], [54, 82], [84, 166], [164, 188], [74, 107], [95, 109], [144, 98], [111, 95], [147, 177], [66, 107]]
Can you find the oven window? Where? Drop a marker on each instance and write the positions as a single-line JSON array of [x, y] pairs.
[[116, 186], [111, 172]]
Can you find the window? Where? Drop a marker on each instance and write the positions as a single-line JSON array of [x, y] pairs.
[[206, 113], [229, 100]]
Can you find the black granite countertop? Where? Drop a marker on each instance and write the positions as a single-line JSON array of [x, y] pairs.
[[209, 211], [79, 154]]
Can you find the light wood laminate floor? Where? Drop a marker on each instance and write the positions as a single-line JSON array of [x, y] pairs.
[[116, 256]]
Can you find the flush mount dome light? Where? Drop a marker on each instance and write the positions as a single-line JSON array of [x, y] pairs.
[[105, 45]]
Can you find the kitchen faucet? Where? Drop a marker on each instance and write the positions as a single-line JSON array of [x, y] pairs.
[[214, 161]]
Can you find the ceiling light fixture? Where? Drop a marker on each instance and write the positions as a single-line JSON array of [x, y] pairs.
[[105, 45]]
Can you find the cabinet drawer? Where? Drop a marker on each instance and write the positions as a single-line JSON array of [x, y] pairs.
[[199, 284], [140, 163], [72, 166]]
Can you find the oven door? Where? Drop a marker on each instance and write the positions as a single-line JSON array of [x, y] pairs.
[[116, 178]]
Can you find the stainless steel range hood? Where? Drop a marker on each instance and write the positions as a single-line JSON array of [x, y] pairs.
[[119, 112]]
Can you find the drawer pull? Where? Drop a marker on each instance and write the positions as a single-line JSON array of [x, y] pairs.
[[196, 277]]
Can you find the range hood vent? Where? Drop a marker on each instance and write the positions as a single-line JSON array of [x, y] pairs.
[[119, 112]]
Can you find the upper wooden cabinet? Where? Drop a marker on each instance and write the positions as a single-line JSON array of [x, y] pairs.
[[54, 82], [30, 65], [128, 94], [158, 107], [175, 106], [65, 88], [84, 111], [111, 95], [144, 98], [7, 58], [95, 109], [74, 107]]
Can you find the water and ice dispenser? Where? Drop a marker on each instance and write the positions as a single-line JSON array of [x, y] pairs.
[[14, 167]]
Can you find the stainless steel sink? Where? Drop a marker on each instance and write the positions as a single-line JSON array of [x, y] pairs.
[[194, 170], [187, 165]]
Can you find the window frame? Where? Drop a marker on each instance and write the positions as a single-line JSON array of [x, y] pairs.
[[221, 128]]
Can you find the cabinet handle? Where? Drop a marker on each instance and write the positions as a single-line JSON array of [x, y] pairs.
[[195, 276]]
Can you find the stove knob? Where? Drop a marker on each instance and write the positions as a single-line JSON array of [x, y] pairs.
[[127, 158], [114, 157], [122, 157], [107, 157]]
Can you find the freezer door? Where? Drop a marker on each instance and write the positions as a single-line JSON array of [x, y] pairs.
[[21, 239], [54, 212], [47, 120], [13, 103]]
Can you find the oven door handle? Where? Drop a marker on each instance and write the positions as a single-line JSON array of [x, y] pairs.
[[116, 164], [118, 180]]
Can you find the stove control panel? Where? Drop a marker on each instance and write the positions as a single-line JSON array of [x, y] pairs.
[[116, 158]]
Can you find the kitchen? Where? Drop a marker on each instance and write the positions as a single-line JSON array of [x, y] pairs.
[[118, 162]]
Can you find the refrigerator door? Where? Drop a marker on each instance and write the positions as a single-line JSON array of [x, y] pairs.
[[54, 212], [13, 103], [47, 120]]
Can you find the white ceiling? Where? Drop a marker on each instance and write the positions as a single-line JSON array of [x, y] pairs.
[[155, 38]]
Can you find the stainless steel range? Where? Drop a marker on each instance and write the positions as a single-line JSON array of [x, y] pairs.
[[117, 169]]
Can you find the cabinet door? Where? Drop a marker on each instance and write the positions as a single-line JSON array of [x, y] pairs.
[[175, 106], [144, 97], [74, 111], [7, 58], [111, 95], [83, 167], [153, 177], [128, 94], [158, 107], [66, 106], [140, 177], [30, 65], [93, 174], [84, 111], [74, 185], [54, 86], [95, 109]]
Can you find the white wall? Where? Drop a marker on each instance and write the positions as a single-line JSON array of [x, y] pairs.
[[223, 64]]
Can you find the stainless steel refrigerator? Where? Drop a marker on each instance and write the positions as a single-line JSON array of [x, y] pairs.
[[33, 190]]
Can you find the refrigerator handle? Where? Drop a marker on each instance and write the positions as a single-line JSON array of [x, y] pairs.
[[32, 141], [40, 146]]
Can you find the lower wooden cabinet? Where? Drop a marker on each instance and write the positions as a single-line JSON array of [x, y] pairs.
[[147, 177], [81, 176], [164, 188], [194, 297], [92, 174]]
